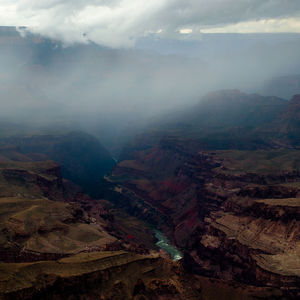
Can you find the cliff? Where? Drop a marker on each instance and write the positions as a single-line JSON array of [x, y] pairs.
[[117, 275], [235, 214]]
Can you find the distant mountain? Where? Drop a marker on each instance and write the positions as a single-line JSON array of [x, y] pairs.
[[226, 119], [285, 129], [285, 86], [232, 108]]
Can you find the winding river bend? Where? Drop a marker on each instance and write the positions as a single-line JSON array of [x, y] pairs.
[[163, 243]]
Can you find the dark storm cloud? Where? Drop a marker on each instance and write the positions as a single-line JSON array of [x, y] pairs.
[[119, 23]]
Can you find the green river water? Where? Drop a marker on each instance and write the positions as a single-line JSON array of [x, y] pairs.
[[163, 243]]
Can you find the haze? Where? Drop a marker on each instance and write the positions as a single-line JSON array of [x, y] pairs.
[[109, 67]]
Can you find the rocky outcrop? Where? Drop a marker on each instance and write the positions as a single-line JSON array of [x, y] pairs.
[[47, 183], [253, 231]]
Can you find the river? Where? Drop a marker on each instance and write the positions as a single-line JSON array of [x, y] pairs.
[[163, 243]]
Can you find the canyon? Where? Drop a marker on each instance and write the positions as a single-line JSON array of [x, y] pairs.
[[56, 241], [202, 202]]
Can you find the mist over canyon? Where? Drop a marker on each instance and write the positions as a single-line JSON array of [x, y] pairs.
[[112, 92], [149, 158]]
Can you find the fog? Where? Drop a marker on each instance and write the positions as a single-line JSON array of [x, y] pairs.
[[113, 92]]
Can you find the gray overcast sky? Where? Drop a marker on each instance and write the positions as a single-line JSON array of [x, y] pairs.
[[119, 23]]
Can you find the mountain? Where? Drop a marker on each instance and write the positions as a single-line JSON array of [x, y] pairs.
[[227, 119], [284, 86], [221, 120]]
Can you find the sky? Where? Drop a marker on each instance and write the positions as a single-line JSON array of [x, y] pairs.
[[120, 23]]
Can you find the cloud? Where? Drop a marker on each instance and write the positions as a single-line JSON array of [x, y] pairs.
[[118, 23], [291, 25]]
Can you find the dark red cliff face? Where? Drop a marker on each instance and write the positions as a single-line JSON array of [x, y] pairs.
[[233, 215]]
